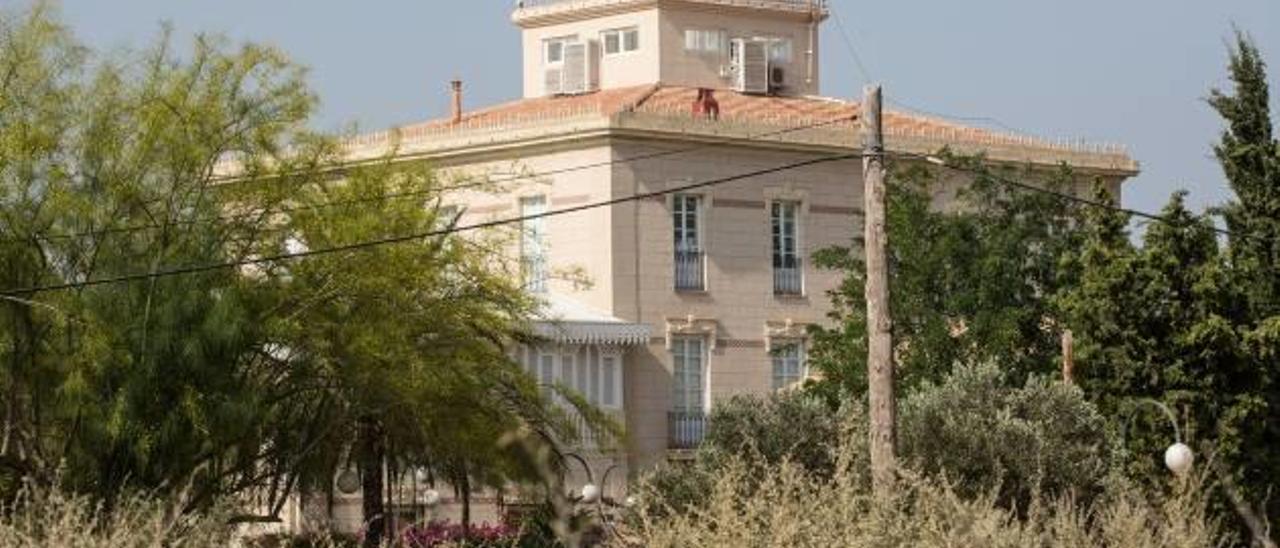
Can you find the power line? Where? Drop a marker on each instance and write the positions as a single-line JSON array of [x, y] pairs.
[[194, 269], [853, 51], [1057, 194], [984, 119], [417, 193]]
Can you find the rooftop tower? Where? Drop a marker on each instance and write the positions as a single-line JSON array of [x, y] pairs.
[[765, 47]]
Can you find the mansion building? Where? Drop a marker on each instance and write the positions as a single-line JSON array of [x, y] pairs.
[[700, 295]]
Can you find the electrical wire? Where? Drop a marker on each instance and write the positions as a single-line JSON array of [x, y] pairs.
[[847, 38], [194, 269], [1057, 194], [433, 191], [853, 51]]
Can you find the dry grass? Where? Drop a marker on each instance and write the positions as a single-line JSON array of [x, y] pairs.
[[53, 518], [783, 505]]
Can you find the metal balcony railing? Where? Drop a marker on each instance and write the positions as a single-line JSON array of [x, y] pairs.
[[686, 429], [788, 276], [783, 4], [689, 271]]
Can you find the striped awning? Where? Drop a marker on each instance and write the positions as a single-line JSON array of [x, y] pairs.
[[566, 321]]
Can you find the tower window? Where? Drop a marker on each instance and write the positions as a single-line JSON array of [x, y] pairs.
[[621, 40]]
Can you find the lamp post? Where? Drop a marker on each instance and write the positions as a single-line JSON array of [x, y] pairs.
[[1178, 458], [593, 494]]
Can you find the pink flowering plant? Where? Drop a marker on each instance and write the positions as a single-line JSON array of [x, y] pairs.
[[443, 533]]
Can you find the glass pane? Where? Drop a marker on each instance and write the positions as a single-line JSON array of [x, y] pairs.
[[593, 387], [631, 40], [567, 370], [712, 40], [688, 374], [611, 42], [581, 384], [608, 396], [555, 51], [533, 244]]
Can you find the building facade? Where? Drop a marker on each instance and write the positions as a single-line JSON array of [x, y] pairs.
[[698, 294]]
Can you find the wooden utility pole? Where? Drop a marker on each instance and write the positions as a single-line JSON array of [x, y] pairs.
[[879, 323]]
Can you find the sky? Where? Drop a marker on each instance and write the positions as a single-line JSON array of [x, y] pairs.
[[1129, 71]]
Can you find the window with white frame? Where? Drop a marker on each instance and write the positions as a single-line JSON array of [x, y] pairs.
[[594, 372], [620, 40], [706, 41], [553, 49], [787, 268], [687, 231], [689, 361], [533, 243], [781, 50], [789, 366]]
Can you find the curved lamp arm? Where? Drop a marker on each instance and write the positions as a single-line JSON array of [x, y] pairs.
[[1168, 413]]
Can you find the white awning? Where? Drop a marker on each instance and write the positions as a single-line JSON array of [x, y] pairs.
[[565, 321]]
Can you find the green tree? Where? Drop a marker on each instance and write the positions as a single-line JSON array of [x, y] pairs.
[[1166, 322], [1250, 157], [151, 173], [968, 285], [411, 338], [110, 167]]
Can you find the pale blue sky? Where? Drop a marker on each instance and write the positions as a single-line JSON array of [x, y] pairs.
[[1129, 71]]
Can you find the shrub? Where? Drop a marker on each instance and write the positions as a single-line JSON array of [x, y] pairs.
[[973, 429], [759, 431], [985, 436], [785, 505], [791, 426]]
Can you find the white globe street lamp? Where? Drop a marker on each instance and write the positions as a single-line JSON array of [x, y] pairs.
[[590, 493], [431, 498], [1179, 459], [348, 482]]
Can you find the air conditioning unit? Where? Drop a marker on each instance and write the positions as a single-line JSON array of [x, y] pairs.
[[553, 82], [752, 64], [581, 68], [777, 78]]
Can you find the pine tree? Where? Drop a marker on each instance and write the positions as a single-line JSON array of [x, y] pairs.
[[1250, 157]]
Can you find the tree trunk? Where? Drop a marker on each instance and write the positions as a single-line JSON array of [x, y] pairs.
[[466, 502], [371, 454]]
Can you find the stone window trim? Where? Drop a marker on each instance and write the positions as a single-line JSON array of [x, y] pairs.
[[691, 326], [777, 333]]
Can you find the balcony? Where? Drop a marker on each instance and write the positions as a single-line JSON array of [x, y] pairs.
[[788, 276], [531, 11], [689, 271], [686, 429]]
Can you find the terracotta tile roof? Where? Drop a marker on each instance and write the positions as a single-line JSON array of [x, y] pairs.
[[677, 102], [605, 102]]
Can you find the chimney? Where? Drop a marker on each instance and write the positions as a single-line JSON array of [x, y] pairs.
[[457, 101]]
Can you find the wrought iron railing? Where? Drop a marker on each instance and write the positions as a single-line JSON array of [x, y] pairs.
[[686, 429], [788, 276], [689, 271]]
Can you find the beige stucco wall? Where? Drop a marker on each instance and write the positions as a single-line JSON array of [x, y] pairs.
[[576, 242], [627, 250], [621, 70], [739, 298]]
